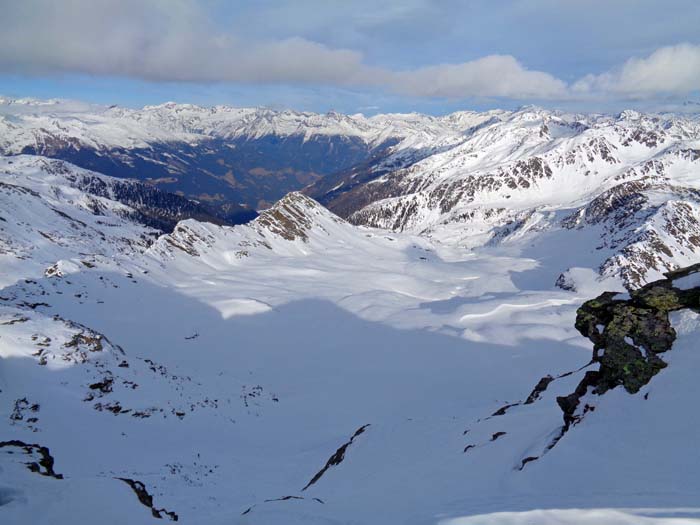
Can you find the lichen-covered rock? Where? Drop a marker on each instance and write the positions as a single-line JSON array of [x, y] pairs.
[[630, 335]]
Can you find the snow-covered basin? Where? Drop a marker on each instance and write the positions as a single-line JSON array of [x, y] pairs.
[[333, 370]]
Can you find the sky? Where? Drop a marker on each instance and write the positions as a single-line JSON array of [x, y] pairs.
[[430, 56]]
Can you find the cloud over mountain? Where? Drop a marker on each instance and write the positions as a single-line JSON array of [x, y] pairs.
[[671, 69], [179, 41]]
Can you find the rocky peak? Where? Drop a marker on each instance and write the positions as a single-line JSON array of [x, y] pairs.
[[629, 114], [294, 216]]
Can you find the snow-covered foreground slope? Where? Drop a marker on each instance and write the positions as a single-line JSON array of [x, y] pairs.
[[300, 369]]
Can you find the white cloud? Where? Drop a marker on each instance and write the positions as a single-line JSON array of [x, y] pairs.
[[672, 70], [154, 40], [491, 76], [175, 40], [172, 40]]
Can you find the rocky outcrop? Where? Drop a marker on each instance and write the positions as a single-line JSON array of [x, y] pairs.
[[630, 336], [337, 457], [146, 499], [44, 463], [293, 217]]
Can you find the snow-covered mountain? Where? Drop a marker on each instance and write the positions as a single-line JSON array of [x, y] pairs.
[[29, 122], [47, 217], [622, 190], [305, 368], [221, 155], [613, 187]]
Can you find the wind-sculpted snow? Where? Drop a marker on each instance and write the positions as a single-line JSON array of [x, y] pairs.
[[211, 373]]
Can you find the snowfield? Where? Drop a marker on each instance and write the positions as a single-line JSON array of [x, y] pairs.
[[581, 517], [300, 369]]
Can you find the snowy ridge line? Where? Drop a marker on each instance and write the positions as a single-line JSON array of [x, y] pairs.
[[629, 180], [101, 126]]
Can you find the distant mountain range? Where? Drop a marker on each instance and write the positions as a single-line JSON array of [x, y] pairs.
[[229, 158], [623, 188]]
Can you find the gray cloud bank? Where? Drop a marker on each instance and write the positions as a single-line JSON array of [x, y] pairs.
[[173, 40]]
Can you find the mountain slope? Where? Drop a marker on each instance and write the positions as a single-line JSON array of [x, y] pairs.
[[50, 226], [629, 182]]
